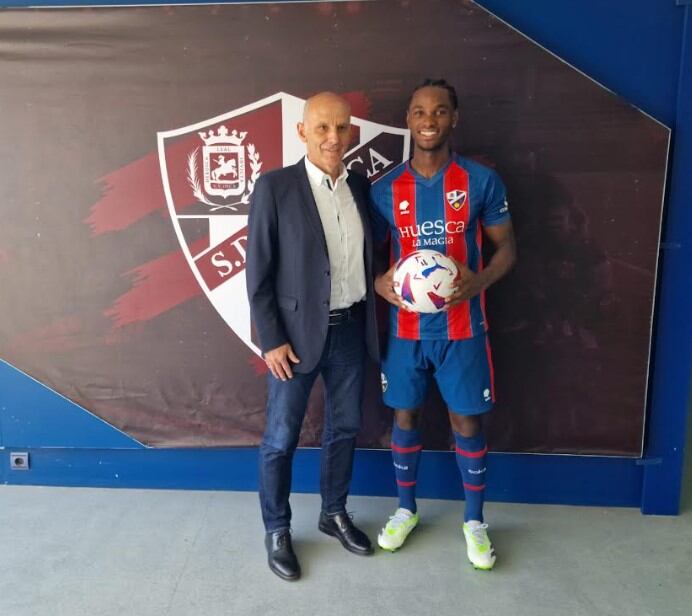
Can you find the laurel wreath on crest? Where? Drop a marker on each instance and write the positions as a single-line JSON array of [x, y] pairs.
[[255, 166], [193, 181]]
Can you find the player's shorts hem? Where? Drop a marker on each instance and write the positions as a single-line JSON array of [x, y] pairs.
[[471, 411], [404, 407]]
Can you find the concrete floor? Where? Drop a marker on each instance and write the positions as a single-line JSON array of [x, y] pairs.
[[73, 551]]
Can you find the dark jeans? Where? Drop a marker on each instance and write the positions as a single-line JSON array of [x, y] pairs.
[[341, 367]]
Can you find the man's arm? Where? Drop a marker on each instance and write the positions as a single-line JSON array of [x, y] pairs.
[[260, 275], [471, 284]]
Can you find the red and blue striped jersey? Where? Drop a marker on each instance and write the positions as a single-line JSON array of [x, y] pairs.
[[443, 213]]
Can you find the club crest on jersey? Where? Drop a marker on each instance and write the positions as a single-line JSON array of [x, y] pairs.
[[456, 199], [209, 170]]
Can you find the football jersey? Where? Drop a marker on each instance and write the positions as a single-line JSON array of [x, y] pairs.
[[445, 213]]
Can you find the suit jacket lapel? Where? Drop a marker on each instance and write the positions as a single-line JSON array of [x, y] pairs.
[[310, 207]]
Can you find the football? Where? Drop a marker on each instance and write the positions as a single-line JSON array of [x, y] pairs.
[[424, 279]]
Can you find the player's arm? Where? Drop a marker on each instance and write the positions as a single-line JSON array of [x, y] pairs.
[[504, 256]]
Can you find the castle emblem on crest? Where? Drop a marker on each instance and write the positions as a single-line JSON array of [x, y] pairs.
[[226, 181]]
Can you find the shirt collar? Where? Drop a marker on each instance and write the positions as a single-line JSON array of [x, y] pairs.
[[319, 177]]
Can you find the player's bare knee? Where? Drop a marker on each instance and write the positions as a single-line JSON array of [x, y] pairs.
[[466, 425], [406, 419]]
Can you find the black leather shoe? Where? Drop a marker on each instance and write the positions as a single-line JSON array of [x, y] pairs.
[[339, 525], [280, 555]]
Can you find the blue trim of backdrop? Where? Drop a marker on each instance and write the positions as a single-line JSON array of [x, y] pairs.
[[634, 49]]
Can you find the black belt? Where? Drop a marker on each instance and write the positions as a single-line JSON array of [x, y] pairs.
[[346, 315]]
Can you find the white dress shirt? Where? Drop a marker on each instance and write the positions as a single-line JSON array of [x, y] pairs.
[[343, 230]]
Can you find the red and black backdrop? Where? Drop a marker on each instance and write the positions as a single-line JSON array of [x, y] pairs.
[[121, 254]]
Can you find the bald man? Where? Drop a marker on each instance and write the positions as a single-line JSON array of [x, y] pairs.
[[309, 282]]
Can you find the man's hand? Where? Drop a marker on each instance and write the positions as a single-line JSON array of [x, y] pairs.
[[384, 287], [468, 285], [278, 361]]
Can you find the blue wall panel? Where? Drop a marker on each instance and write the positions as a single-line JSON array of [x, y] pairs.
[[672, 358], [32, 415], [516, 478], [630, 46]]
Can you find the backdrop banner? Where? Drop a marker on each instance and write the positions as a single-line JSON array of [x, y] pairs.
[[132, 139]]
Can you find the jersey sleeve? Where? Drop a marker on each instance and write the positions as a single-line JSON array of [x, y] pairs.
[[495, 208]]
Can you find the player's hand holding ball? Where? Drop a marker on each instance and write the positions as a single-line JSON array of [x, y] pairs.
[[384, 287], [426, 281], [468, 284]]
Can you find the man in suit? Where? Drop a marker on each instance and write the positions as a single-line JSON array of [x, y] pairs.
[[309, 279]]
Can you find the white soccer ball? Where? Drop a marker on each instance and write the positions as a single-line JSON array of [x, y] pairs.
[[424, 279]]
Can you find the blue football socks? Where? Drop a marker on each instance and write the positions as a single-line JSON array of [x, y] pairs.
[[406, 448], [471, 453]]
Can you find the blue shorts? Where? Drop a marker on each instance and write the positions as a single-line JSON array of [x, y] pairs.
[[462, 369]]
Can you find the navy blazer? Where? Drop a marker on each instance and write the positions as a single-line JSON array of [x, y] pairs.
[[287, 265]]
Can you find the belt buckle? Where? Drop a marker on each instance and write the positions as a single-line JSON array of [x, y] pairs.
[[340, 316]]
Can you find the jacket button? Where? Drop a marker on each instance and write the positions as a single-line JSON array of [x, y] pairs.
[[325, 303], [326, 273]]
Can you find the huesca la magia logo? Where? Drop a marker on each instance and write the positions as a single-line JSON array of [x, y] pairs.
[[209, 170]]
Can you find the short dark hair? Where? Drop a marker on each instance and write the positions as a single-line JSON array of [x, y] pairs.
[[438, 83]]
